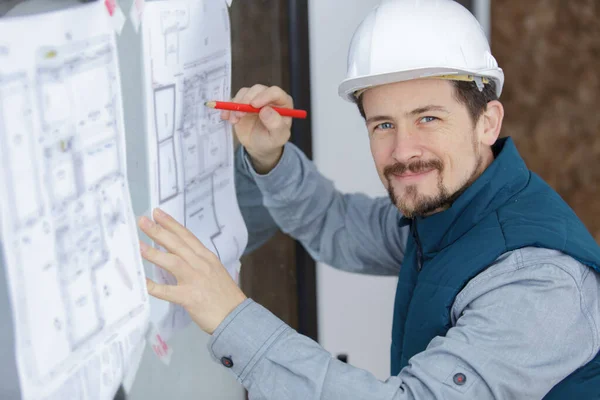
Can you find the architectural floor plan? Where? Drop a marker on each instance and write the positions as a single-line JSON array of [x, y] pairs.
[[80, 305], [187, 55]]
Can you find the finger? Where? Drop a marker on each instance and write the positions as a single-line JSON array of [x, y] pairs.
[[167, 239], [274, 96], [240, 95], [163, 292], [229, 115], [169, 223], [275, 123], [252, 93], [169, 262]]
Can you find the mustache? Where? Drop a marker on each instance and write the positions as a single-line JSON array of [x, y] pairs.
[[415, 167]]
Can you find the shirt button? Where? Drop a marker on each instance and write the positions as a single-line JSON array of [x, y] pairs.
[[226, 361], [460, 379]]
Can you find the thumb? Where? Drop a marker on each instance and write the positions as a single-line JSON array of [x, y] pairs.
[[271, 119]]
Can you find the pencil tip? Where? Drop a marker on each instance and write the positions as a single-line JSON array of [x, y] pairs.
[[210, 104]]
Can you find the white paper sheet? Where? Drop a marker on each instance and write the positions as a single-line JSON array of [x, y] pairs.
[[76, 280], [187, 59]]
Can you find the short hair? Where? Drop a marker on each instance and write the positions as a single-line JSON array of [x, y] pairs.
[[466, 93]]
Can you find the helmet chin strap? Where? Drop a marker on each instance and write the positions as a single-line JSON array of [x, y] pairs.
[[480, 81]]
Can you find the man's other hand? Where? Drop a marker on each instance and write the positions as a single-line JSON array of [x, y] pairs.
[[204, 287]]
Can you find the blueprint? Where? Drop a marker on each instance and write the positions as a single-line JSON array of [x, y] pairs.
[[71, 254], [187, 60]]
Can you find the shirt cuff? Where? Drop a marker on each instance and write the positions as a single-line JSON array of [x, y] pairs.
[[242, 339], [280, 176]]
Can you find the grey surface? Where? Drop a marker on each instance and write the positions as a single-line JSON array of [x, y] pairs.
[[7, 5], [191, 375], [17, 8], [9, 381]]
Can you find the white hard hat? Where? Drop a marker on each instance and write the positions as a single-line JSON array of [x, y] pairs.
[[410, 39]]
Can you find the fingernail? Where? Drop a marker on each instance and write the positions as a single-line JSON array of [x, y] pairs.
[[159, 212], [145, 222]]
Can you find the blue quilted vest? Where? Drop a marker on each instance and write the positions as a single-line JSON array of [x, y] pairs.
[[508, 207]]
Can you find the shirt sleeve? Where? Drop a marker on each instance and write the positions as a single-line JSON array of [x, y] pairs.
[[259, 223], [514, 338], [352, 232]]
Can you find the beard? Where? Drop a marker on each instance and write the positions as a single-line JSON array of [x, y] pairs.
[[414, 204]]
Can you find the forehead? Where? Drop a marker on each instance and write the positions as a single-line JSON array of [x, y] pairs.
[[408, 95]]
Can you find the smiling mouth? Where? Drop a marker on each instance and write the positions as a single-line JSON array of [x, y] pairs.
[[412, 175]]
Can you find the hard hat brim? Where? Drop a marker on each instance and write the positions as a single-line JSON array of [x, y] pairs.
[[349, 86]]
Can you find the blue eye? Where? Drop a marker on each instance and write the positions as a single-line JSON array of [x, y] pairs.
[[428, 119], [385, 125]]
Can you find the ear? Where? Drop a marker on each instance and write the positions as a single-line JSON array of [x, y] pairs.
[[492, 122]]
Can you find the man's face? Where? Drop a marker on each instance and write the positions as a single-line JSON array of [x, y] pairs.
[[426, 148]]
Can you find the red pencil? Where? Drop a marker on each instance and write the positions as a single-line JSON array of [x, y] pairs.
[[225, 105]]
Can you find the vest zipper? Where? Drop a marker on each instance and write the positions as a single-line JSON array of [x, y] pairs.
[[418, 242]]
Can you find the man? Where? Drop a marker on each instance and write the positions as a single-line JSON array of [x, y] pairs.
[[499, 284]]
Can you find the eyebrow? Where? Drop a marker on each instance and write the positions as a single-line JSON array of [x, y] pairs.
[[427, 108], [416, 111], [378, 118]]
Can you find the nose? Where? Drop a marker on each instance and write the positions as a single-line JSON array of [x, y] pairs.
[[407, 147]]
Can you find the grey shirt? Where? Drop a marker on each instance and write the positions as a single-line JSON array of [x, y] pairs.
[[518, 328]]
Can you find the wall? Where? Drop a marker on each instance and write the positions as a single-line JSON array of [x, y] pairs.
[[550, 53], [355, 311]]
